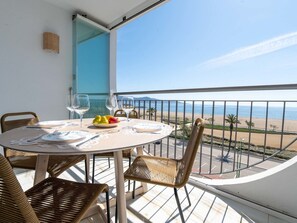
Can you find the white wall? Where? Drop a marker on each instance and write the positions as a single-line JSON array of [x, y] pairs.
[[31, 78]]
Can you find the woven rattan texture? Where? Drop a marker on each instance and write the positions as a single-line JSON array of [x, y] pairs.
[[57, 200], [52, 200], [122, 113], [29, 118], [14, 205], [166, 171]]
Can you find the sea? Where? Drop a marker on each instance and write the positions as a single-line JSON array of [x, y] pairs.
[[246, 111], [272, 112]]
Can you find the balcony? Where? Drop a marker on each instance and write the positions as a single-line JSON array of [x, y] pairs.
[[244, 175], [155, 205], [262, 149]]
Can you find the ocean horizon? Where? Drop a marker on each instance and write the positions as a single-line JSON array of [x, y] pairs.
[[244, 111], [274, 112]]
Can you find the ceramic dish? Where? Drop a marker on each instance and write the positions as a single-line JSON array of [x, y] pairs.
[[64, 136], [48, 124], [106, 125], [147, 128]]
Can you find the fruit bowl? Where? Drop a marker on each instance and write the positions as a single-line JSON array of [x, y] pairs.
[[105, 125], [106, 121]]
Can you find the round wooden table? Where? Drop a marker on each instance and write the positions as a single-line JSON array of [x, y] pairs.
[[100, 140]]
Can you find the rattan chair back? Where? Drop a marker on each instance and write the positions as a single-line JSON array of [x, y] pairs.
[[122, 113], [51, 200], [15, 120], [14, 204], [166, 171], [186, 163], [133, 114]]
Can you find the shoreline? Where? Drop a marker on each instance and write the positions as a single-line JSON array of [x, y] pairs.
[[260, 123], [272, 140]]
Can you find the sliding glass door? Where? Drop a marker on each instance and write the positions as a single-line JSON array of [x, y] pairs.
[[91, 63]]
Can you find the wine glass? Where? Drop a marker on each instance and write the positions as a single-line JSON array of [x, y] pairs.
[[81, 104], [69, 105], [127, 104], [111, 103]]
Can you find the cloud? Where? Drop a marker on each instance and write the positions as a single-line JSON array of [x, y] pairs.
[[252, 51]]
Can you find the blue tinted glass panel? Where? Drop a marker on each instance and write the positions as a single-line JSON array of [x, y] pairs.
[[93, 65], [91, 58]]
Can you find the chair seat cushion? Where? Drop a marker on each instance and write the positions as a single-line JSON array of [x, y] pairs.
[[155, 170], [56, 164], [57, 200], [24, 162]]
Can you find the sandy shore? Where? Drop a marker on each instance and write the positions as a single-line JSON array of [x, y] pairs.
[[272, 140]]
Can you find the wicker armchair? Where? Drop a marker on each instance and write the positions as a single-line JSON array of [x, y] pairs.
[[165, 171], [127, 153], [51, 200], [56, 164]]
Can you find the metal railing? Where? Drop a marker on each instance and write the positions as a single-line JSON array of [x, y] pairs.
[[261, 130]]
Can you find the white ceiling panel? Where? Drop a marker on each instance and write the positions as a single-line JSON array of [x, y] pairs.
[[109, 13]]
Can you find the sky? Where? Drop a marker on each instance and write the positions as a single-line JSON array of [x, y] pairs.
[[210, 43]]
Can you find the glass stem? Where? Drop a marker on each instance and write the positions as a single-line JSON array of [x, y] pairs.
[[127, 117], [81, 120]]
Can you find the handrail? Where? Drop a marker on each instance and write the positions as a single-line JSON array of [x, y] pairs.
[[215, 89], [249, 152], [216, 147]]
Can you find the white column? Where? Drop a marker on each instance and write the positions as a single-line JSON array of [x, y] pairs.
[[113, 61]]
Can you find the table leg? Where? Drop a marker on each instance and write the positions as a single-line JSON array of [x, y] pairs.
[[120, 187], [40, 168]]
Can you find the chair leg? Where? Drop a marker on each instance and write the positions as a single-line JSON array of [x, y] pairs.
[[93, 171], [187, 195], [87, 169], [116, 213], [178, 205], [133, 193], [128, 185], [107, 206], [129, 166]]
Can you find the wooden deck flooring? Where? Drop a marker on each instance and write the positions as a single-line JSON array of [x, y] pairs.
[[158, 204]]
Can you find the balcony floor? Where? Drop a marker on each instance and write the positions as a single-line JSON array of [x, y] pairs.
[[158, 204]]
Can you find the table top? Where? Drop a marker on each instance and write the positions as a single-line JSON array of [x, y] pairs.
[[120, 137]]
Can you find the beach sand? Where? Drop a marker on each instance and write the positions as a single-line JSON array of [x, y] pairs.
[[272, 140]]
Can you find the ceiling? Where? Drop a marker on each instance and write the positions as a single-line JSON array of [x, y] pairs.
[[109, 13]]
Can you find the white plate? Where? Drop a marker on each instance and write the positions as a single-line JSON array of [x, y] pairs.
[[47, 124], [106, 125], [64, 136], [147, 127]]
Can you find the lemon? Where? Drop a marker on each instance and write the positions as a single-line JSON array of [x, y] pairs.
[[108, 116], [104, 120], [97, 119]]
